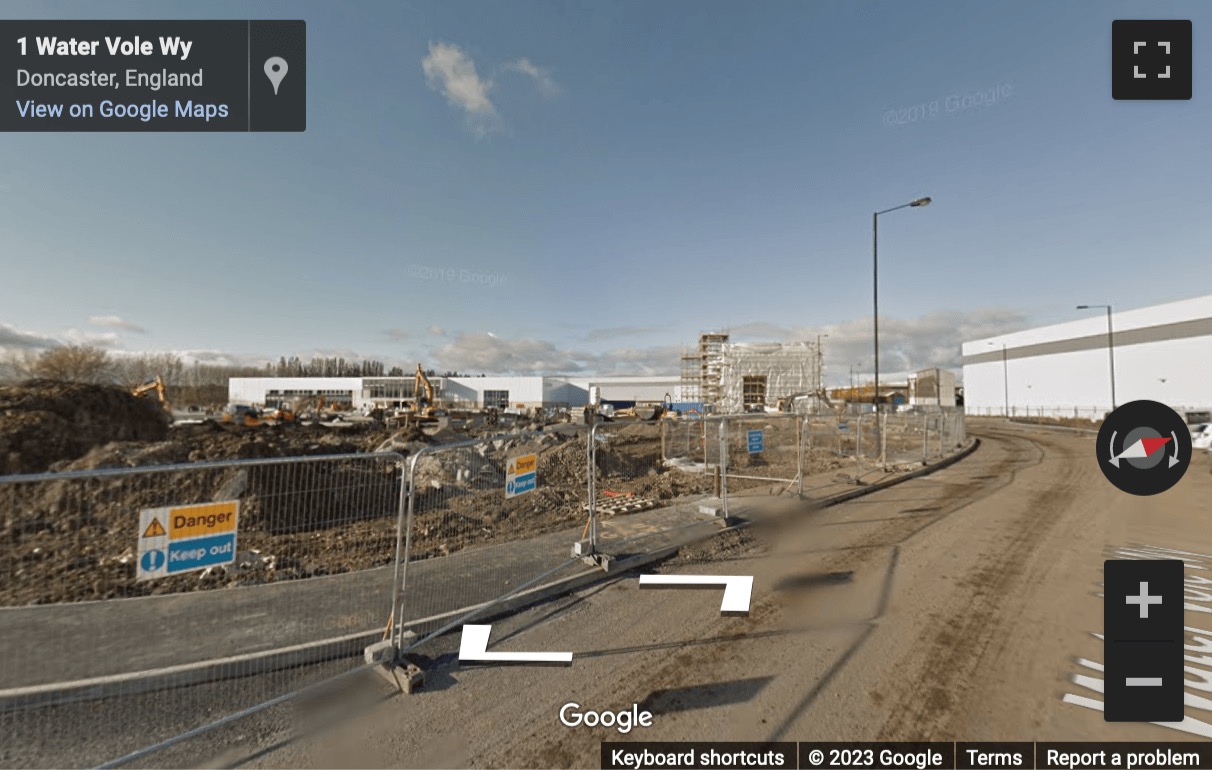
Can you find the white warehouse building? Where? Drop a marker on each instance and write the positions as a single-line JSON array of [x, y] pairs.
[[1161, 353], [468, 392]]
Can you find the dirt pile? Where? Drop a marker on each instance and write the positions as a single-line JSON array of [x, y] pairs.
[[218, 441], [44, 421]]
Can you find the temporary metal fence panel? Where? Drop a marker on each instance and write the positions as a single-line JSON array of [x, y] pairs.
[[764, 450], [685, 440], [245, 580], [486, 519], [644, 466]]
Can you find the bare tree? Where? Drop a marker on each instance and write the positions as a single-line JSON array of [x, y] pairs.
[[17, 364], [135, 370], [74, 363]]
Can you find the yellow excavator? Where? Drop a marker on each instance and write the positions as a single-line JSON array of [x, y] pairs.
[[427, 406], [424, 407], [308, 405], [154, 386]]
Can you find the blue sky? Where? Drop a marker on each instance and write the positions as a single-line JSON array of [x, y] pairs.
[[616, 177]]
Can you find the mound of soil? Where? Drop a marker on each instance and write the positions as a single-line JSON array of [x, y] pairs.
[[45, 421]]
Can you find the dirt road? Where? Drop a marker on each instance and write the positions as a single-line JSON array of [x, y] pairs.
[[959, 606]]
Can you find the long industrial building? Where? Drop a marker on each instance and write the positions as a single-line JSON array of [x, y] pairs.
[[1161, 353], [524, 392], [720, 376]]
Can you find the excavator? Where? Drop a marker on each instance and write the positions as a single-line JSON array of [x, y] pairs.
[[154, 386], [427, 406], [424, 407], [298, 409]]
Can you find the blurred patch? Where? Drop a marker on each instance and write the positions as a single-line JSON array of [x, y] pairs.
[[813, 580], [703, 696]]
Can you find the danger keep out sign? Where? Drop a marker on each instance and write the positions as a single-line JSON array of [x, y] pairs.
[[520, 473], [186, 538]]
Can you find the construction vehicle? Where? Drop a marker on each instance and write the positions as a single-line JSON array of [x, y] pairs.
[[154, 386], [645, 411], [305, 407], [427, 406], [239, 414]]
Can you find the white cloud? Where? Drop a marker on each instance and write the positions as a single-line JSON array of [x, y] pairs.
[[542, 77], [437, 331], [115, 322], [93, 339], [450, 71], [398, 334], [906, 344], [484, 352], [655, 360], [222, 358], [12, 337]]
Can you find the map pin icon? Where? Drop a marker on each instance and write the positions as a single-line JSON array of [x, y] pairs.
[[275, 70]]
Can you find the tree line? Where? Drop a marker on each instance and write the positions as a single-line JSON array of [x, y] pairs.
[[192, 383]]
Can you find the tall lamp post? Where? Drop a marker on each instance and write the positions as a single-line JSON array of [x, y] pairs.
[[1005, 378], [875, 303], [1110, 346]]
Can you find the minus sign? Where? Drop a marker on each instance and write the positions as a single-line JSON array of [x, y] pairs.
[[1143, 681]]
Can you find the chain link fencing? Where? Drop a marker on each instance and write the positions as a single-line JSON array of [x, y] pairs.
[[259, 569]]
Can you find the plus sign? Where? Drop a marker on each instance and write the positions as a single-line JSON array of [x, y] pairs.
[[1144, 600]]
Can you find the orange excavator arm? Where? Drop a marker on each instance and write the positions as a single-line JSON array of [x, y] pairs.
[[422, 383], [157, 386]]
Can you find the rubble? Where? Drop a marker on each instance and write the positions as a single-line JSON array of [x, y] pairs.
[[44, 421]]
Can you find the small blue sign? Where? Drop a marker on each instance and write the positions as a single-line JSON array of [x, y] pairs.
[[755, 441], [522, 484], [152, 560], [199, 552], [844, 427]]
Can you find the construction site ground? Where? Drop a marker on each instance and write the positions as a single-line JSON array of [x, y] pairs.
[[72, 541], [956, 606], [262, 618], [258, 618]]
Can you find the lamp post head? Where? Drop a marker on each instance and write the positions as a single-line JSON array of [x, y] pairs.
[[921, 202]]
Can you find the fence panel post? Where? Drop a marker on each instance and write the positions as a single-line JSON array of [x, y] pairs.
[[723, 463], [858, 447], [402, 567], [925, 438], [591, 480], [805, 450]]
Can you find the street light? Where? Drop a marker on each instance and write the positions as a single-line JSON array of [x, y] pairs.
[[875, 299], [1005, 377], [1110, 346]]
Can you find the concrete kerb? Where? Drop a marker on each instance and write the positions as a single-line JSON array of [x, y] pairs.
[[354, 644]]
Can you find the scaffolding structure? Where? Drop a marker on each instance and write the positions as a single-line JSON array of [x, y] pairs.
[[711, 358], [763, 374], [732, 377], [692, 376]]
